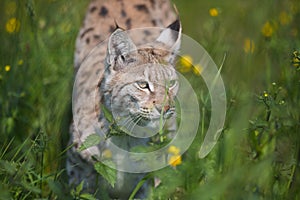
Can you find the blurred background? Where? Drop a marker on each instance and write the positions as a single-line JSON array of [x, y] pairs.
[[257, 43]]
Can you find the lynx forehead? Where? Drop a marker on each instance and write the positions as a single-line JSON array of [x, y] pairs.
[[132, 74]]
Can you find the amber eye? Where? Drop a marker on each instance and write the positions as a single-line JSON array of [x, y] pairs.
[[143, 84], [172, 83]]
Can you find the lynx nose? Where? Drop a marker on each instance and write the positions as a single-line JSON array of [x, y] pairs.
[[166, 108]]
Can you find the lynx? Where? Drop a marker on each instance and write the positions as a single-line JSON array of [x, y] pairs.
[[132, 74]]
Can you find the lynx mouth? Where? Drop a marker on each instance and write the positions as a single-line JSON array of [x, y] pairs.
[[142, 120]]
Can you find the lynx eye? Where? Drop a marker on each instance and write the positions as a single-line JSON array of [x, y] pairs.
[[143, 84], [172, 83]]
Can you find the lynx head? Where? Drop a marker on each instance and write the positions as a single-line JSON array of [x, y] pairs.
[[140, 84]]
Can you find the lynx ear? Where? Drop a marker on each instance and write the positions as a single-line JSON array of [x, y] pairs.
[[171, 38], [119, 45]]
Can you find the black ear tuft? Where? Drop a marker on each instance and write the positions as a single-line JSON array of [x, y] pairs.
[[176, 29], [171, 38], [175, 26]]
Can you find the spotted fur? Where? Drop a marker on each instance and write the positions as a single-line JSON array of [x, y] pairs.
[[130, 73]]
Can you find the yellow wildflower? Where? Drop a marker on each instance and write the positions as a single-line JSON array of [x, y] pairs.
[[20, 62], [197, 69], [107, 153], [249, 45], [213, 12], [284, 18], [266, 94], [185, 63], [7, 68], [174, 150], [267, 29], [175, 160], [12, 25]]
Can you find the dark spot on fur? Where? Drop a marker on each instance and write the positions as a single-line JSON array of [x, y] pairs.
[[128, 23], [93, 9], [96, 37], [87, 40], [147, 33], [152, 3], [153, 21], [133, 99], [87, 92], [142, 7], [103, 11], [123, 13], [85, 32], [112, 29]]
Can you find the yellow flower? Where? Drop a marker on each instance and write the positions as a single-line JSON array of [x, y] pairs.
[[249, 45], [174, 150], [175, 160], [107, 153], [7, 68], [267, 29], [197, 69], [20, 62], [266, 94], [284, 18], [12, 25], [213, 12], [185, 63]]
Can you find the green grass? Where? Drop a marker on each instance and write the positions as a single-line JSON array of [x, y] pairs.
[[258, 153]]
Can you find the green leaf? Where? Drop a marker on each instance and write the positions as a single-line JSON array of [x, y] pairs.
[[87, 196], [79, 188], [57, 188], [90, 141], [8, 167], [106, 172], [107, 114], [138, 186]]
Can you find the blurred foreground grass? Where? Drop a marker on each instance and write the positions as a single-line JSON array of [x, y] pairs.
[[257, 156]]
